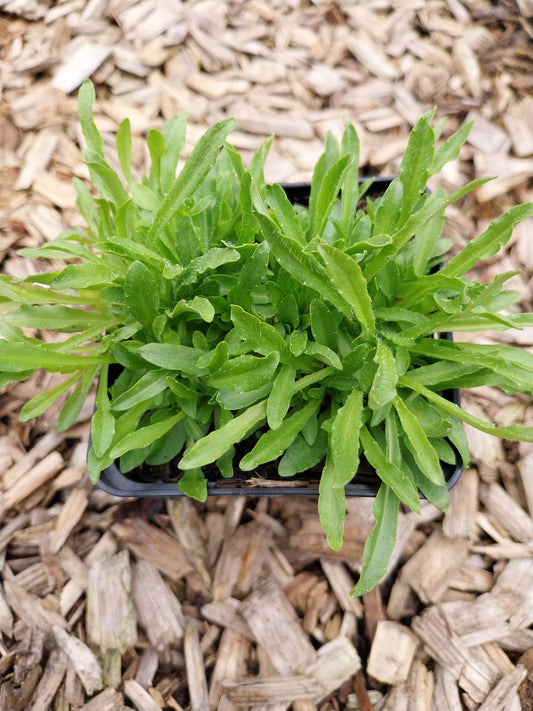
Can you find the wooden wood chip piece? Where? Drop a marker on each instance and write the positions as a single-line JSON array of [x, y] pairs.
[[84, 661], [111, 620], [275, 625], [194, 664], [337, 662], [140, 697], [158, 608], [392, 652]]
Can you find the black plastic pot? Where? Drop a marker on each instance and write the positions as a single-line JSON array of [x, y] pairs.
[[365, 483]]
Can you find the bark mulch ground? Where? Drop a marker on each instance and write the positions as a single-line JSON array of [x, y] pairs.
[[109, 604]]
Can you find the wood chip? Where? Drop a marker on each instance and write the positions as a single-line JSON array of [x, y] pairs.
[[84, 661], [392, 652], [81, 59], [158, 608], [140, 697], [194, 665], [274, 624]]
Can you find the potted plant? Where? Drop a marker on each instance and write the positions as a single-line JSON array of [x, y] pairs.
[[232, 325]]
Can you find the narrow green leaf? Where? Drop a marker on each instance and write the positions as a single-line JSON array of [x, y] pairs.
[[22, 357], [488, 243], [102, 421], [450, 148], [144, 436], [75, 401], [515, 432], [380, 543], [416, 163], [245, 373], [194, 172], [194, 484], [350, 184], [142, 294], [86, 99], [398, 479], [347, 278], [285, 214], [383, 388], [261, 336], [82, 276], [123, 142], [327, 194], [422, 449], [345, 439], [173, 131], [218, 442], [156, 147], [273, 443], [301, 456], [331, 505], [172, 357], [110, 185], [146, 387], [279, 400], [323, 353], [41, 402], [302, 266], [56, 317]]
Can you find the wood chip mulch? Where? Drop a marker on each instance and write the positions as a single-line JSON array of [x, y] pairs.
[[109, 604]]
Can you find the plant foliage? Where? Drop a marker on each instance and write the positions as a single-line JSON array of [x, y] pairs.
[[305, 333]]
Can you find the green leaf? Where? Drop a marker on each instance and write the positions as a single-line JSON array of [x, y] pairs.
[[279, 400], [416, 163], [173, 131], [56, 317], [488, 243], [75, 401], [142, 294], [331, 505], [123, 141], [380, 543], [146, 387], [172, 357], [194, 172], [350, 184], [102, 422], [109, 183], [328, 192], [391, 474], [82, 276], [449, 150], [346, 276], [301, 456], [285, 214], [199, 305], [514, 432], [323, 324], [194, 484], [218, 442], [383, 388], [273, 443], [22, 357], [422, 449], [41, 402], [86, 99], [303, 267], [156, 147], [245, 373], [345, 439], [323, 353], [261, 336], [144, 436]]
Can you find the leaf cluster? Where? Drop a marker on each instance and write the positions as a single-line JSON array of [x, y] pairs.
[[305, 334]]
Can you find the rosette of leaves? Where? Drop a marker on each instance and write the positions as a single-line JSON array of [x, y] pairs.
[[305, 335]]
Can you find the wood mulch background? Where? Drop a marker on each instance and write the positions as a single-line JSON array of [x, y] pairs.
[[110, 604]]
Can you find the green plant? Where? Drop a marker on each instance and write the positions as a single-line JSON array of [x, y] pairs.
[[307, 334]]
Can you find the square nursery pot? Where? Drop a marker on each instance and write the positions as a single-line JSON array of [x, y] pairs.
[[163, 481]]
